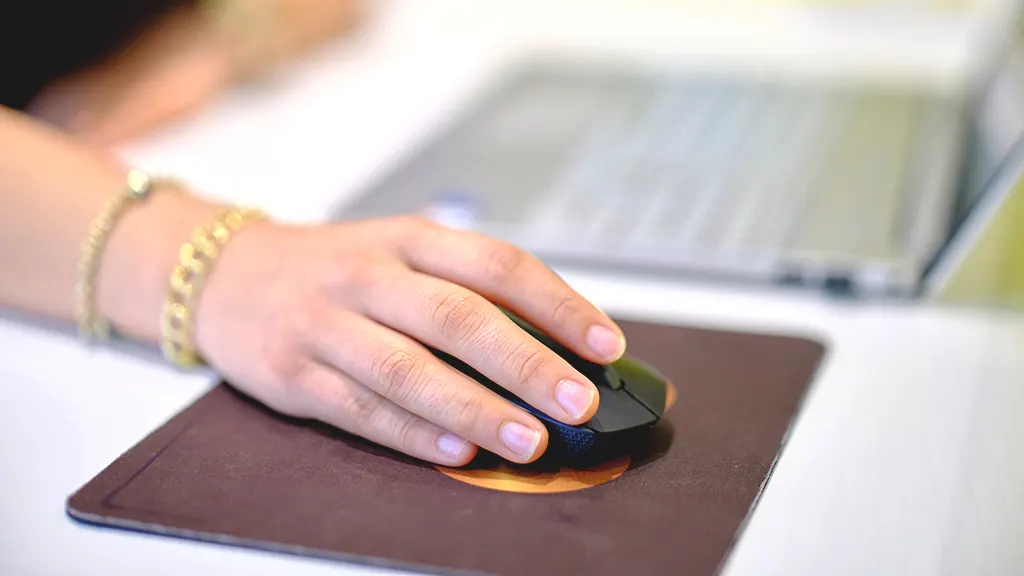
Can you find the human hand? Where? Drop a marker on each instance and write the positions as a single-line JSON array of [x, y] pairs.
[[330, 323]]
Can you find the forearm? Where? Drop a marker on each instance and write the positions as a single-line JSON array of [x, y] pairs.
[[51, 189]]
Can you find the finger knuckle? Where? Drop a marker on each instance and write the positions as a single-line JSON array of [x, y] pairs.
[[309, 390], [525, 363], [294, 327], [304, 378], [316, 384], [284, 364], [400, 373], [459, 317], [415, 222], [413, 227], [405, 433], [361, 410], [500, 261], [352, 269], [299, 321], [565, 307], [291, 381], [468, 413]]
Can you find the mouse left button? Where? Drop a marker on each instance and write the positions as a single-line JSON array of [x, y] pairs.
[[644, 383]]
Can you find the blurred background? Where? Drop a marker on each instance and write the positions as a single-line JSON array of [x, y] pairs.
[[862, 148]]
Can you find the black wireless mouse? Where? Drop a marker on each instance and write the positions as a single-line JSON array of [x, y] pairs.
[[632, 400]]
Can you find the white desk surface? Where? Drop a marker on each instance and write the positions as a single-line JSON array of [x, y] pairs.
[[908, 458]]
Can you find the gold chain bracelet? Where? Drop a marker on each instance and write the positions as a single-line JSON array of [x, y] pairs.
[[90, 324], [195, 260]]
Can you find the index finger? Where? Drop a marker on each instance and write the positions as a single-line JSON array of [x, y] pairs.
[[518, 281]]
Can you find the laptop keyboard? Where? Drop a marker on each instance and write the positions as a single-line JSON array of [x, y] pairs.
[[800, 183], [731, 168]]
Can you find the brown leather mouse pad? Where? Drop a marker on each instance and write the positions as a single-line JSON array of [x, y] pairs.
[[227, 470]]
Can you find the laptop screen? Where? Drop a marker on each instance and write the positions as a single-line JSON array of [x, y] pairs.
[[994, 168], [997, 130]]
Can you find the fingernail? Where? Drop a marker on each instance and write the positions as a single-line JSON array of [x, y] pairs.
[[451, 445], [520, 439], [574, 397], [606, 343]]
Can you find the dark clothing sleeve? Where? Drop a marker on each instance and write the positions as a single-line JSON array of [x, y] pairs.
[[42, 40]]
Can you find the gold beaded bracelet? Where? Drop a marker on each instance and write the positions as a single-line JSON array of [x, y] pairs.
[[91, 325], [195, 260]]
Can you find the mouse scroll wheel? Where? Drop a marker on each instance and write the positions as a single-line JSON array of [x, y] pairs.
[[612, 378]]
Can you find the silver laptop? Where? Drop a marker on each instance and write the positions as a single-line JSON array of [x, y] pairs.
[[847, 188]]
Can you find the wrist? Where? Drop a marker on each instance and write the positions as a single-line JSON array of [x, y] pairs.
[[142, 251], [250, 262]]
